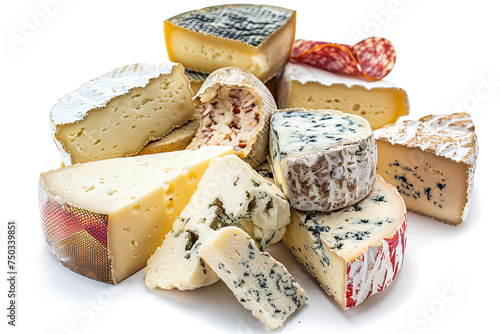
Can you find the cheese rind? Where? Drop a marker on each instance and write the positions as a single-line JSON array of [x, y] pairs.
[[304, 86], [258, 38], [118, 113], [260, 283], [322, 160], [236, 107], [354, 252], [432, 162], [176, 140], [104, 219], [230, 193]]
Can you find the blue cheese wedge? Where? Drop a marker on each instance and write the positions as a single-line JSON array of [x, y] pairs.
[[322, 160], [117, 114], [258, 38], [354, 252], [432, 162], [260, 283], [230, 193]]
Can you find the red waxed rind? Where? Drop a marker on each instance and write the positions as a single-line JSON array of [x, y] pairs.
[[372, 58], [398, 238]]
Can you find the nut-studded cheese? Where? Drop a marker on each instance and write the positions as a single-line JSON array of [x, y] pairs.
[[322, 160], [354, 252], [260, 283], [432, 163], [380, 102], [104, 219], [236, 107], [118, 113], [258, 38], [231, 193]]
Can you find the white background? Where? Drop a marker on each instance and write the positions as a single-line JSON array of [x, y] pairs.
[[447, 60]]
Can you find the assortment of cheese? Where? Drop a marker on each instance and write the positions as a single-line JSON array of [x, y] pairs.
[[159, 176]]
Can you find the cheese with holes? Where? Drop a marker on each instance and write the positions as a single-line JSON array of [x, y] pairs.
[[104, 219], [322, 160], [230, 193], [380, 102], [236, 107], [260, 283], [118, 113], [432, 163], [355, 252], [176, 140], [258, 38]]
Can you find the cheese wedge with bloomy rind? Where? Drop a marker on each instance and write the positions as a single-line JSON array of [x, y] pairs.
[[117, 114], [260, 283], [236, 107], [432, 162], [258, 38], [322, 160], [305, 86], [354, 252], [104, 219], [230, 193]]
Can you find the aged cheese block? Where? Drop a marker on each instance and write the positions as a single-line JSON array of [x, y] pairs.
[[260, 283], [176, 140], [322, 160], [432, 163], [231, 193], [380, 102], [236, 107], [118, 113], [104, 219], [355, 252], [258, 38]]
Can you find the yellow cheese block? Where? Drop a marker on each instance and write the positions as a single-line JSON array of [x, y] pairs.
[[379, 102], [258, 38], [104, 219]]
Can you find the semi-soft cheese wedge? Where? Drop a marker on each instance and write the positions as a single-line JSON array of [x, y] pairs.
[[104, 219], [230, 193], [380, 102], [260, 283], [322, 160], [236, 107], [258, 38], [355, 252], [432, 163], [118, 113]]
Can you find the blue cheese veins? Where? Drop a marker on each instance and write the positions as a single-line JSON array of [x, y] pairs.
[[230, 193], [322, 160], [260, 283]]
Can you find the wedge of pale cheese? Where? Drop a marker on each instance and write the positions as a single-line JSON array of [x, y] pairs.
[[260, 283], [380, 102], [355, 252], [236, 107], [230, 193], [104, 219], [117, 114], [322, 160], [432, 162], [258, 38]]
